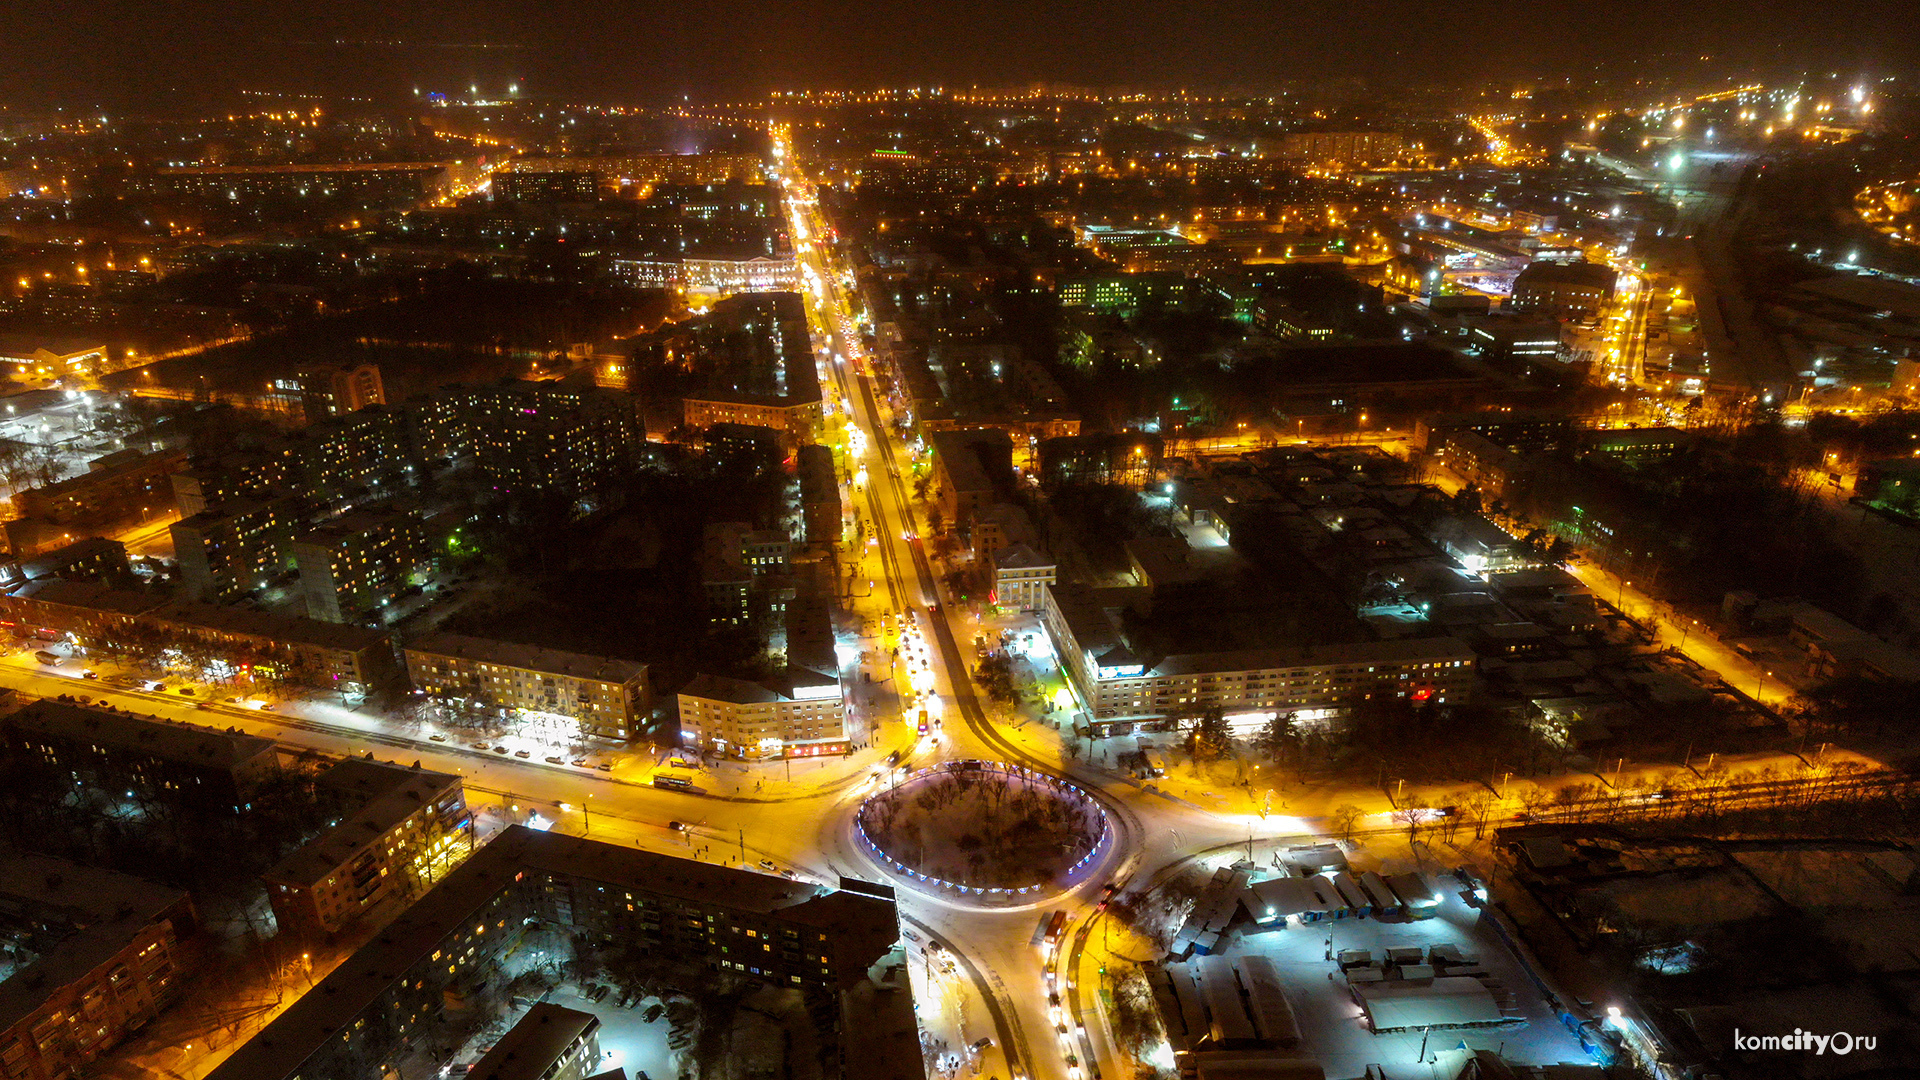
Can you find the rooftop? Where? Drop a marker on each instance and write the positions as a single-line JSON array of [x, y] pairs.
[[102, 909], [528, 657], [283, 629], [393, 793], [534, 1044], [861, 929], [158, 738]]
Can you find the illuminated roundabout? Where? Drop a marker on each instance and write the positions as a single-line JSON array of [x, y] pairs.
[[985, 832]]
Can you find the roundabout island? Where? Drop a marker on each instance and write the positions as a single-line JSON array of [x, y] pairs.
[[985, 831]]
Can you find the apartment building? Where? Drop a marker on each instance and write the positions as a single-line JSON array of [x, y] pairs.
[[826, 944], [819, 494], [609, 698], [98, 957], [401, 830], [231, 550], [1124, 690], [156, 760], [970, 470], [803, 714], [1021, 576], [328, 656], [355, 563], [551, 1042]]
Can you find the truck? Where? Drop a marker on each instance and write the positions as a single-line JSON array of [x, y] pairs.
[[1150, 763], [47, 658]]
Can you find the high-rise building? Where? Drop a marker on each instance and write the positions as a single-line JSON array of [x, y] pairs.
[[337, 391], [229, 551], [360, 561]]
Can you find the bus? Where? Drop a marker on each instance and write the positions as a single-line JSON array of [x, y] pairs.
[[53, 660], [1056, 928], [667, 780]]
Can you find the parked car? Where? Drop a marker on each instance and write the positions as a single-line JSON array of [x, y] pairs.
[[522, 754], [554, 760], [499, 749], [437, 738], [582, 763], [479, 746], [605, 766]]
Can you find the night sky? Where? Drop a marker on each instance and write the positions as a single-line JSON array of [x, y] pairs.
[[160, 55]]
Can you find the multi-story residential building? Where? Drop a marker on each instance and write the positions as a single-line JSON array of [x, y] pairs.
[[120, 488], [360, 561], [1123, 689], [399, 181], [801, 715], [609, 698], [1021, 577], [970, 469], [231, 550], [401, 830], [356, 453], [391, 994], [648, 170], [337, 391], [95, 559], [327, 656], [251, 644], [83, 612], [1342, 147], [178, 764], [564, 436], [240, 475], [93, 957], [735, 560], [551, 1042], [819, 494], [1125, 294], [568, 185]]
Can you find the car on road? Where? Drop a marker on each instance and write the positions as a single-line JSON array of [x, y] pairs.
[[767, 864], [605, 766], [158, 688], [88, 675], [186, 691], [677, 826], [268, 706]]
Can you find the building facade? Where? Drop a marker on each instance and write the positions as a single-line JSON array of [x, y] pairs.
[[609, 698], [1123, 690], [107, 959], [233, 549], [400, 832], [802, 715]]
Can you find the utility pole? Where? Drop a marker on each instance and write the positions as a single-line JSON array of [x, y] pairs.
[[743, 847]]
